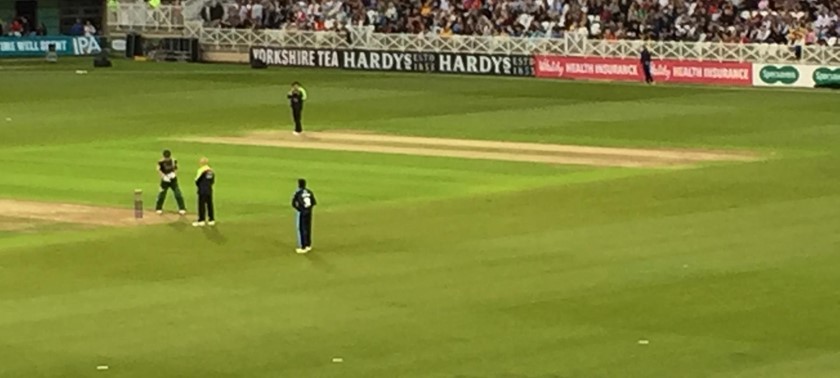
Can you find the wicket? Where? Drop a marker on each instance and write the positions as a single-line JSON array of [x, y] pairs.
[[138, 203]]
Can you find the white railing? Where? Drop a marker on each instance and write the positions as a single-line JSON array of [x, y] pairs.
[[222, 39], [139, 17], [240, 40]]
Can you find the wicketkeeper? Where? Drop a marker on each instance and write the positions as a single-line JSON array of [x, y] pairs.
[[167, 167]]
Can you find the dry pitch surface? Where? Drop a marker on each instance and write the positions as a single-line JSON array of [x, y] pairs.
[[487, 150], [23, 215]]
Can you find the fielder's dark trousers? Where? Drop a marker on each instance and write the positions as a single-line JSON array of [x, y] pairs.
[[205, 207], [304, 229], [648, 74], [164, 187], [297, 114]]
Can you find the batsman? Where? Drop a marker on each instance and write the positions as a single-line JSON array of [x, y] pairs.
[[167, 167]]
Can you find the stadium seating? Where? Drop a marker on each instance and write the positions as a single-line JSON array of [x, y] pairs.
[[788, 22]]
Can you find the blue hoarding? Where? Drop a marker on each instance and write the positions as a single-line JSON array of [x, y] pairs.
[[38, 46]]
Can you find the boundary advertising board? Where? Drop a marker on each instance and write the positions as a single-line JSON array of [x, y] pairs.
[[396, 61], [38, 46], [554, 66], [795, 75], [625, 69]]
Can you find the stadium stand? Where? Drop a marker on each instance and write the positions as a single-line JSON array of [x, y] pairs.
[[789, 22]]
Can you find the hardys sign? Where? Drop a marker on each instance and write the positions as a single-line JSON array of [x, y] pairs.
[[388, 61], [795, 75], [39, 46], [347, 59], [495, 65], [398, 61]]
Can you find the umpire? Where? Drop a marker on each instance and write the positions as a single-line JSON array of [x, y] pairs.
[[645, 59], [297, 96], [204, 180], [167, 167], [303, 201]]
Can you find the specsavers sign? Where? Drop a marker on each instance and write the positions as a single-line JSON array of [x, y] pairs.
[[794, 75], [38, 46]]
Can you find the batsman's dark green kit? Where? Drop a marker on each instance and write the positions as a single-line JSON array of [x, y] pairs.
[[168, 167]]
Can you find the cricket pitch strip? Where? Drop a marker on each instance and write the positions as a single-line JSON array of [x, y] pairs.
[[48, 212], [485, 150]]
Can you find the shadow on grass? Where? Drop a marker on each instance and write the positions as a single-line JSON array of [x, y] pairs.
[[318, 262], [213, 234], [178, 226]]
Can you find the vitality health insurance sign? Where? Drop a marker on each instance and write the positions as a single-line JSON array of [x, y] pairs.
[[38, 46], [623, 69], [795, 75]]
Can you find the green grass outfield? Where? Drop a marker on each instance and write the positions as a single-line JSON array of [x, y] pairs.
[[423, 267]]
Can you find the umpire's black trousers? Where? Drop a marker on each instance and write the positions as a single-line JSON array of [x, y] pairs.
[[205, 207], [304, 229], [297, 114], [648, 73]]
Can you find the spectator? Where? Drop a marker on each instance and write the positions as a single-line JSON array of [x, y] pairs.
[[212, 13], [26, 27], [16, 28], [245, 12], [77, 28], [761, 34], [257, 13], [89, 29]]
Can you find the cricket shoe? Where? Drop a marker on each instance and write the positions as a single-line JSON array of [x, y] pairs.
[[308, 249], [159, 212], [182, 212], [211, 223], [198, 224], [301, 251]]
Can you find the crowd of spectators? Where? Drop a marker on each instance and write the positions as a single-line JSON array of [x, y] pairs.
[[800, 22], [20, 26], [86, 29]]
